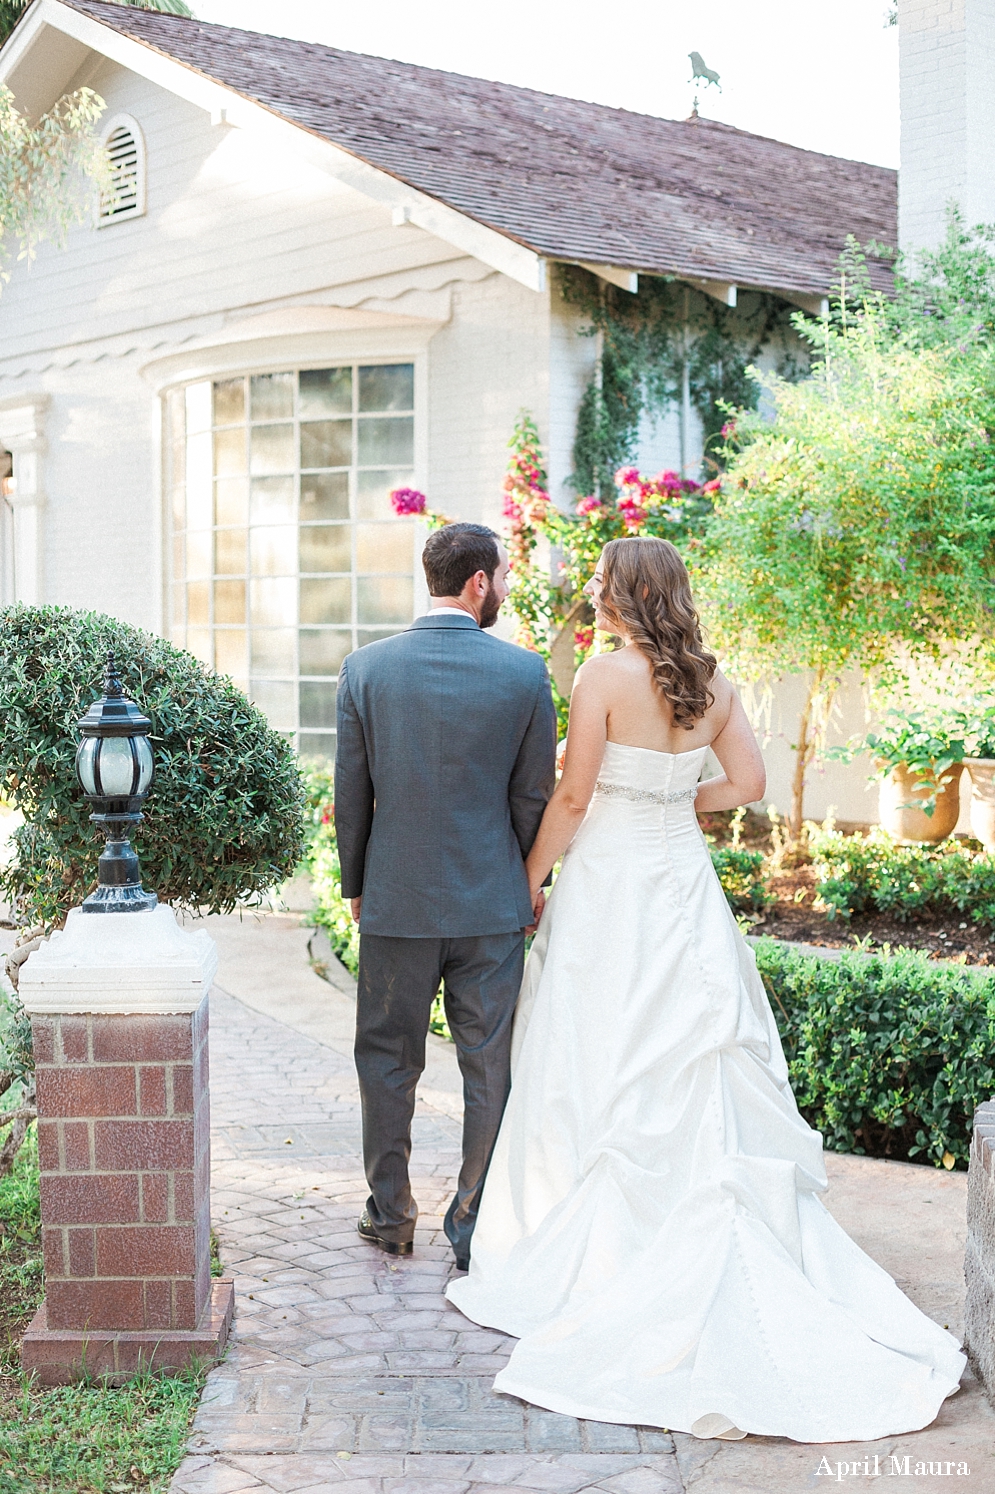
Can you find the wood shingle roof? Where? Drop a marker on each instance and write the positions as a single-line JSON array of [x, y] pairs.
[[570, 180]]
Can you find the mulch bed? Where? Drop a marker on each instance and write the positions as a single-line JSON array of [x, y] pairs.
[[793, 917]]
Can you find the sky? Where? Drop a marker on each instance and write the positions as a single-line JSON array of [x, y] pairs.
[[820, 75]]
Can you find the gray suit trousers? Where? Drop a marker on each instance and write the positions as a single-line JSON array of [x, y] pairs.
[[398, 980]]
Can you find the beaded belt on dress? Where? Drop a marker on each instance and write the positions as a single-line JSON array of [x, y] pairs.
[[646, 796]]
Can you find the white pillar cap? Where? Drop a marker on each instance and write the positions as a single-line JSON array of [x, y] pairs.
[[118, 963]]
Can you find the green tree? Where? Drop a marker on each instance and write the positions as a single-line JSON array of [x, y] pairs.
[[857, 529]]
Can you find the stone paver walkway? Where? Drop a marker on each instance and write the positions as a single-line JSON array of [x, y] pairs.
[[350, 1371]]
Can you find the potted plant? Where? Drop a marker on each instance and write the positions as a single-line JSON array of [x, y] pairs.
[[979, 716], [919, 757]]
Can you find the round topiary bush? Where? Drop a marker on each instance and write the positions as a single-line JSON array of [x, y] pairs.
[[224, 818]]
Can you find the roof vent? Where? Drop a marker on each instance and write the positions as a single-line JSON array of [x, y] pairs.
[[126, 195]]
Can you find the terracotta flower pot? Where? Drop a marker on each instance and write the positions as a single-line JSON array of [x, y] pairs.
[[902, 788], [982, 772]]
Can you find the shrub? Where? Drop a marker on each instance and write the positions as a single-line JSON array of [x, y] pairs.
[[871, 873], [743, 878], [223, 820], [888, 1056], [331, 911]]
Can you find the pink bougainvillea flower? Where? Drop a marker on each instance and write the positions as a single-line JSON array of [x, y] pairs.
[[583, 637], [628, 477], [714, 486], [408, 501], [588, 505], [633, 514]]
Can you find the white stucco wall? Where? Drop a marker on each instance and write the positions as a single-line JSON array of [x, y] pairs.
[[488, 362], [947, 69]]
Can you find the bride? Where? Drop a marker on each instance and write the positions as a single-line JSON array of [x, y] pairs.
[[651, 1228]]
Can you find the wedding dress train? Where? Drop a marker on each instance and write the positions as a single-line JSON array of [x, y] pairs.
[[651, 1228]]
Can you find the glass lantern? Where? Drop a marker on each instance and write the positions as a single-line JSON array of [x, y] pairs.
[[115, 767]]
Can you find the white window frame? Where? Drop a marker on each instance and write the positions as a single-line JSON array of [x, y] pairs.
[[137, 209], [350, 350]]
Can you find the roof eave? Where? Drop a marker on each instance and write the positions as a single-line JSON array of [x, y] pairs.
[[492, 246]]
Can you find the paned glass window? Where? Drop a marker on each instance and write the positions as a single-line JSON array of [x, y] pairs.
[[286, 553]]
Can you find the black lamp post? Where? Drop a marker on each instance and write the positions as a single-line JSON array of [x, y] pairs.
[[114, 764]]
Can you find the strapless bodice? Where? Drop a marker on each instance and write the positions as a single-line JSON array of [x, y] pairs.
[[649, 777]]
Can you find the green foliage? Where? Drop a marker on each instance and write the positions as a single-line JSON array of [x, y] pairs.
[[536, 597], [857, 531], [22, 1284], [888, 1056], [925, 741], [871, 873], [223, 821], [78, 1439], [331, 911], [47, 171], [743, 877], [944, 297], [980, 728], [862, 522], [646, 341], [16, 1057]]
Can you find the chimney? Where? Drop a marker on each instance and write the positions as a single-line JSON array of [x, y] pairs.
[[947, 67]]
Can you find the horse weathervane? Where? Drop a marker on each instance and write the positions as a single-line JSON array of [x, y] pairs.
[[699, 72]]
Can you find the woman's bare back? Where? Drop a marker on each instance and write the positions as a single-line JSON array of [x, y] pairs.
[[639, 716]]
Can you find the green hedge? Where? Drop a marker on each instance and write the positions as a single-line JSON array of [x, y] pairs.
[[223, 820], [871, 873], [743, 877], [331, 912], [889, 1055]]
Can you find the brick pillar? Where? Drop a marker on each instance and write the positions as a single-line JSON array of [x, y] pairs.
[[119, 1011], [979, 1260]]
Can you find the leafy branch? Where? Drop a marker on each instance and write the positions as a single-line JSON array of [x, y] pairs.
[[47, 172]]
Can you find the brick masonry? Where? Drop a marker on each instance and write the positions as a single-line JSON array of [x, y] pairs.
[[124, 1149], [946, 60], [979, 1260]]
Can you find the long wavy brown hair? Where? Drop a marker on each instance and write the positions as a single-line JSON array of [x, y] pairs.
[[647, 596]]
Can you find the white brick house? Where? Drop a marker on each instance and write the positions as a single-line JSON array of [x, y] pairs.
[[327, 275], [947, 63]]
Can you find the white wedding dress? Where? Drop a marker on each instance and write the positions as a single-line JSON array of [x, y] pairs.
[[651, 1228]]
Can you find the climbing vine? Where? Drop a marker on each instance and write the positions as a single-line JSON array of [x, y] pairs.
[[653, 342], [554, 552]]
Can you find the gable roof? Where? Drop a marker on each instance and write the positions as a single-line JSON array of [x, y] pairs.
[[569, 180]]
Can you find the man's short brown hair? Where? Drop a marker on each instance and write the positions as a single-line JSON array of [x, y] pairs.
[[455, 553]]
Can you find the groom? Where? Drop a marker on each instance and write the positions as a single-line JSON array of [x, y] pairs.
[[444, 764]]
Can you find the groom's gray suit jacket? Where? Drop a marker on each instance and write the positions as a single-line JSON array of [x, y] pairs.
[[443, 766]]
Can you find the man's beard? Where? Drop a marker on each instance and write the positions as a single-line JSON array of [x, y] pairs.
[[491, 607]]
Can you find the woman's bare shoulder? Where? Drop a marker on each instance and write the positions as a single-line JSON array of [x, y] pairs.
[[723, 694], [604, 667], [720, 687]]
